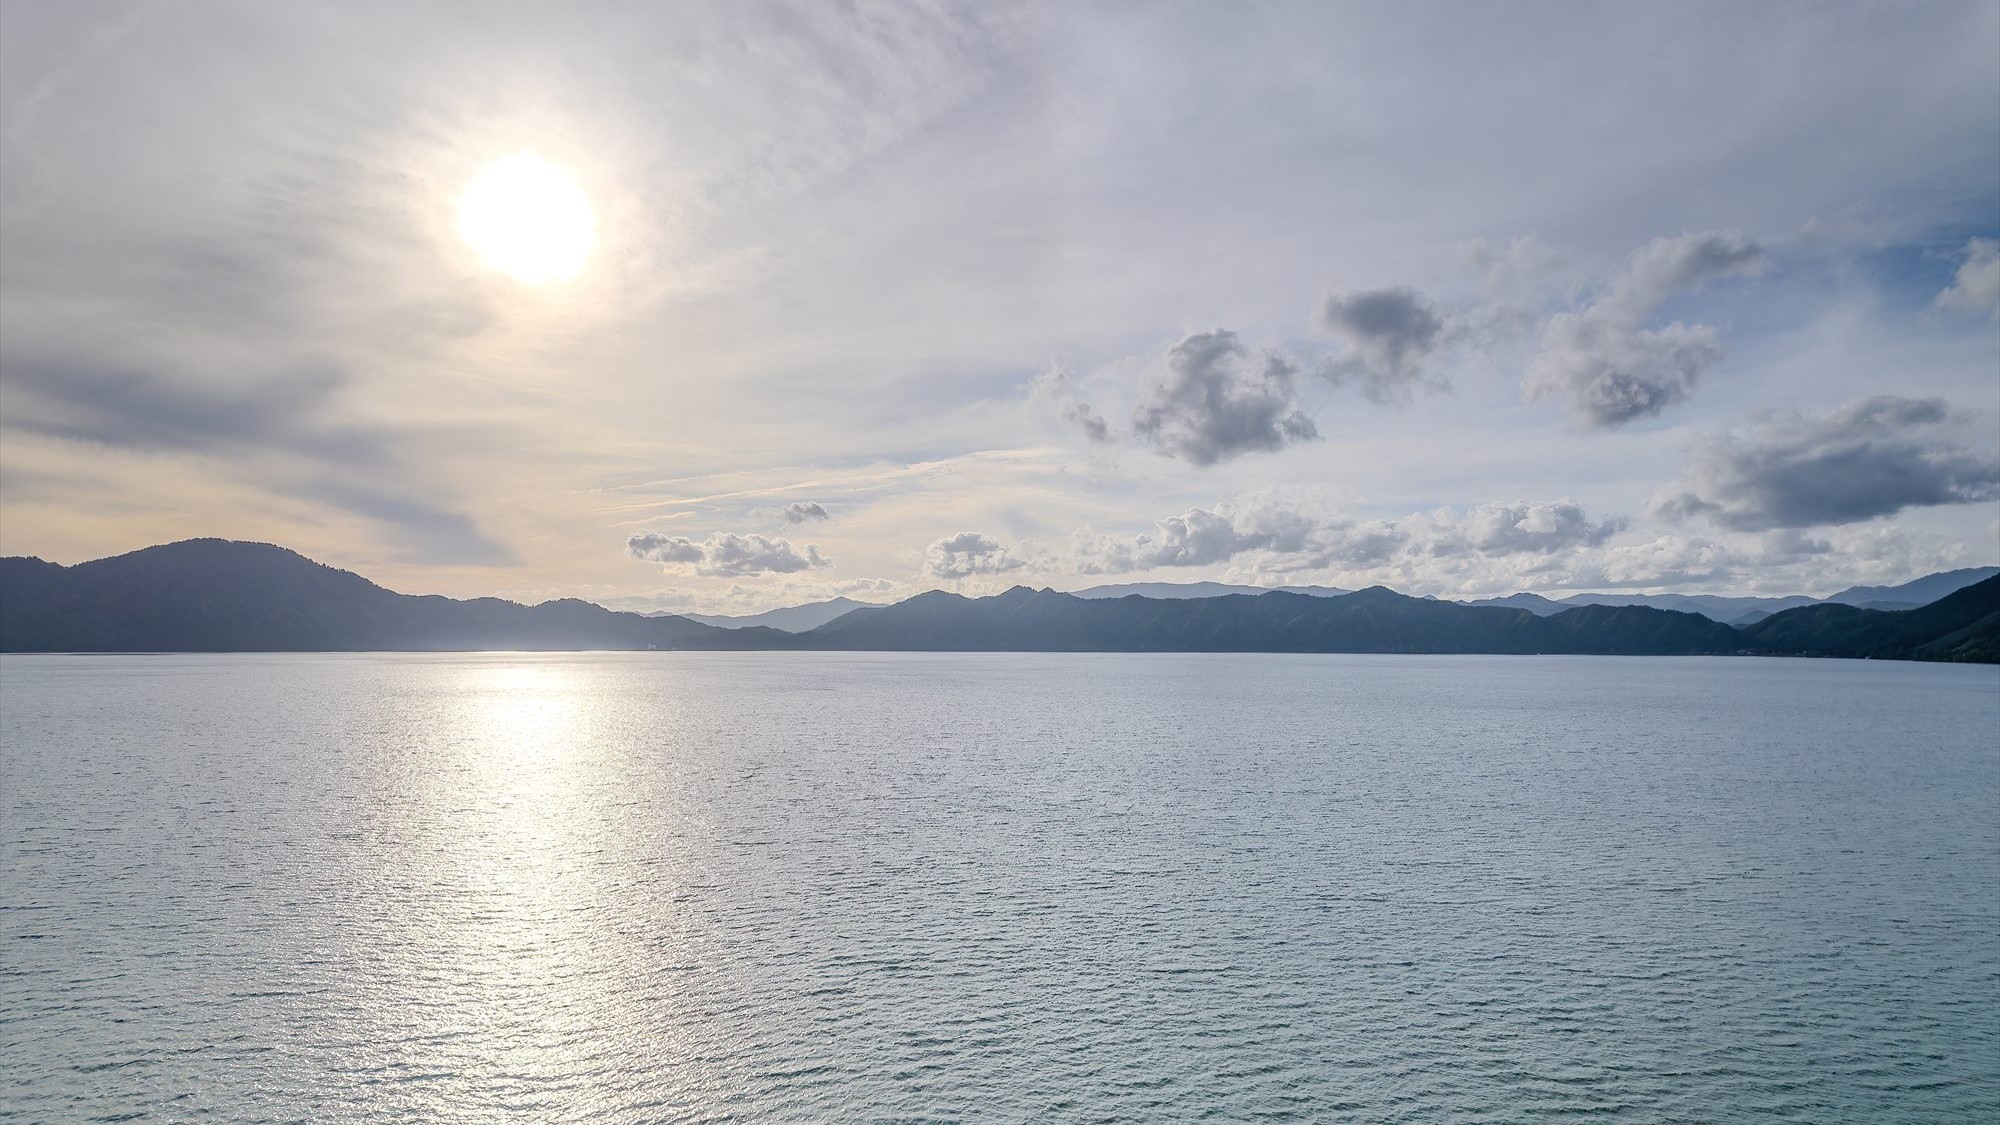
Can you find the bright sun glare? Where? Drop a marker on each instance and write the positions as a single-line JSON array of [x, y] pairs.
[[528, 219]]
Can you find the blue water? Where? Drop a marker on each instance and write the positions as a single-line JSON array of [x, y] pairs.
[[790, 887]]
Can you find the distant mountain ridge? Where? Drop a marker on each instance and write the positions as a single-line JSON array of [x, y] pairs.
[[1730, 610], [1371, 620], [1746, 610], [1919, 591], [215, 595], [1198, 590], [791, 618]]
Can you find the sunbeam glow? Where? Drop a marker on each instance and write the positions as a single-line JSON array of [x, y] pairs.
[[529, 219]]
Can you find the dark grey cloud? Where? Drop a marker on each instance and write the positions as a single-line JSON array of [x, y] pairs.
[[725, 554], [1392, 335], [969, 553], [1610, 367], [141, 410], [1214, 402], [1871, 458], [284, 427], [802, 511]]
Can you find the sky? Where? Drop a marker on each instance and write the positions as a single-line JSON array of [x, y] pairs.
[[878, 298]]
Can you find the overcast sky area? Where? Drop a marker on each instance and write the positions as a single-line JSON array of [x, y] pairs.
[[1459, 299]]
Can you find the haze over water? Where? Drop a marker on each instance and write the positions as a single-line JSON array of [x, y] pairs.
[[782, 887]]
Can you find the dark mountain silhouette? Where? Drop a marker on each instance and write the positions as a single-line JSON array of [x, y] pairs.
[[1371, 620], [210, 595], [1533, 603], [1964, 626], [1716, 607], [1738, 611], [1741, 611]]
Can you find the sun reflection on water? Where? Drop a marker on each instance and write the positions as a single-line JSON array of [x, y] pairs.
[[524, 923]]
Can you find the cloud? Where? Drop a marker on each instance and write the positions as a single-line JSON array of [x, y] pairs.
[[138, 409], [725, 554], [1976, 287], [1789, 545], [800, 511], [1780, 561], [1539, 527], [867, 587], [1198, 537], [1516, 269], [1392, 336], [966, 554], [1053, 387], [285, 426], [1291, 540], [1612, 368], [1665, 560], [1873, 457], [1088, 420], [1212, 403], [1666, 266]]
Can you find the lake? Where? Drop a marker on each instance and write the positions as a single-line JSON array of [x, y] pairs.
[[839, 887]]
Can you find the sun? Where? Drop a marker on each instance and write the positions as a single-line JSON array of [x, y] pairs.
[[528, 219]]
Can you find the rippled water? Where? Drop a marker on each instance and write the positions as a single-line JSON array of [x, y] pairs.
[[788, 887]]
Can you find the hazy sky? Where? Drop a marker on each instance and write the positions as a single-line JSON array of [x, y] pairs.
[[1458, 298]]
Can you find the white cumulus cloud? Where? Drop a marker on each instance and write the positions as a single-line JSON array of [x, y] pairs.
[[725, 554], [1976, 287], [968, 553]]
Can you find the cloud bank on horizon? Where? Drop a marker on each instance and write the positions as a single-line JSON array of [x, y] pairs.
[[1331, 294]]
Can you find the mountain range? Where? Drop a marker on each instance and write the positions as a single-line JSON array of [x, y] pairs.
[[791, 618], [1747, 610], [1728, 610], [212, 595], [1181, 590], [811, 615]]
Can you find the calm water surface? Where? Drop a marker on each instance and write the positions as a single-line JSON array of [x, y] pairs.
[[785, 887]]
